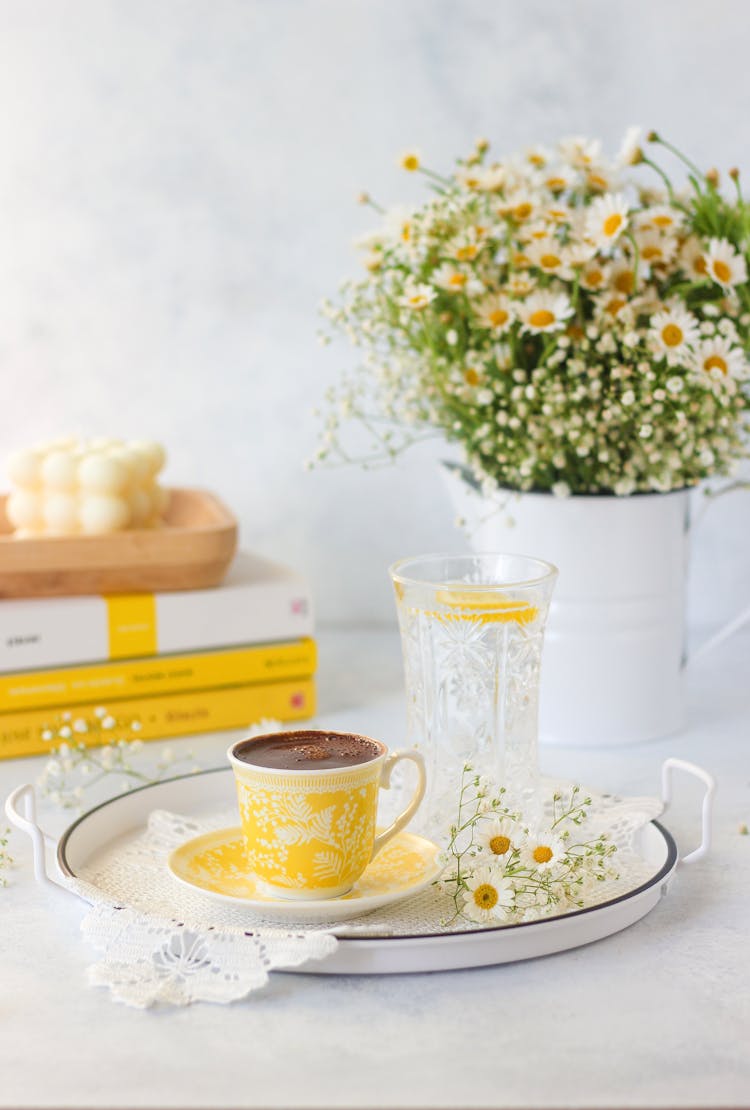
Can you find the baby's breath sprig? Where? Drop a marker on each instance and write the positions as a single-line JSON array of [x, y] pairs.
[[572, 809], [110, 752], [502, 870]]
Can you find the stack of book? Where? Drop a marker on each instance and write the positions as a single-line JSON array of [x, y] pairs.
[[158, 665]]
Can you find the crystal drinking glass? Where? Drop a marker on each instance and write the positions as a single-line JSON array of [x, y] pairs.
[[472, 629]]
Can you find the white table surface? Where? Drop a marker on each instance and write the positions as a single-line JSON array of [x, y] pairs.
[[658, 1015]]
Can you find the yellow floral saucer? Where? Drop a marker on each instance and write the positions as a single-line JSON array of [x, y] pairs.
[[214, 864]]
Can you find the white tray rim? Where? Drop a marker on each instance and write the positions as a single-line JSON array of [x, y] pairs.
[[658, 879]]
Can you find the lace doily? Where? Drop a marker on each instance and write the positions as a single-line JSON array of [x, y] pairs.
[[160, 942]]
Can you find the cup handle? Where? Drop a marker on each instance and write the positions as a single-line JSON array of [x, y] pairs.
[[385, 782]]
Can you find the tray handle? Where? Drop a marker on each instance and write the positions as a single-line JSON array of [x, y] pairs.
[[668, 767], [23, 796]]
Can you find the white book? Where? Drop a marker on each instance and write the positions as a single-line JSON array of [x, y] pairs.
[[258, 602]]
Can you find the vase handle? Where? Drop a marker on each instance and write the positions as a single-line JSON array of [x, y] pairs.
[[743, 617]]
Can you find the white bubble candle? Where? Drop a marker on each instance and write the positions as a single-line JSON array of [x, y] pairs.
[[70, 487]]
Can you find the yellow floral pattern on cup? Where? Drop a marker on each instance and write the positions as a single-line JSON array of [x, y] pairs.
[[309, 832]]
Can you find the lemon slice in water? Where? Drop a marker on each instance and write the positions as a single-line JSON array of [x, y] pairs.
[[487, 606]]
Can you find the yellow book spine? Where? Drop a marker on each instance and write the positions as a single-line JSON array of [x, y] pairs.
[[132, 627], [168, 674], [38, 730]]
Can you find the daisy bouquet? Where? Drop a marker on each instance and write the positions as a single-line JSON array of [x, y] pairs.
[[571, 328], [500, 869]]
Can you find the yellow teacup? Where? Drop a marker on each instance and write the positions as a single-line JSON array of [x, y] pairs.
[[308, 802]]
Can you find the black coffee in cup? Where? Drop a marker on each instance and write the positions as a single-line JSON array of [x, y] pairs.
[[308, 750]]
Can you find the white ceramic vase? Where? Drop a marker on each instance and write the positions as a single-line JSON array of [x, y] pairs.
[[614, 654]]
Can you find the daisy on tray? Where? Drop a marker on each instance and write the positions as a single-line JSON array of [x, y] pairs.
[[496, 838], [542, 850], [489, 896]]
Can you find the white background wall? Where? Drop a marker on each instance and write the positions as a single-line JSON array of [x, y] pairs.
[[177, 184]]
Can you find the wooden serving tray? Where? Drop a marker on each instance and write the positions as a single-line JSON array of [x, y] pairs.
[[191, 550]]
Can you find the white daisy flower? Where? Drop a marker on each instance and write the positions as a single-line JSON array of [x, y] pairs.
[[580, 252], [470, 177], [656, 249], [531, 232], [520, 260], [399, 224], [370, 240], [622, 278], [558, 178], [558, 213], [579, 151], [601, 180], [606, 219], [724, 264], [451, 278], [492, 179], [472, 376], [417, 295], [496, 313], [693, 258], [672, 333], [614, 306], [537, 156], [520, 285], [648, 303], [549, 256], [660, 218], [542, 850], [496, 837], [544, 311], [720, 359], [520, 205], [594, 276], [465, 248], [489, 897], [630, 152]]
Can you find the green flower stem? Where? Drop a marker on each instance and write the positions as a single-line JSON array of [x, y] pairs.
[[445, 182], [678, 154], [668, 184]]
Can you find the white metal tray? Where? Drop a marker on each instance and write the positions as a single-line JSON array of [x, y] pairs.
[[126, 815]]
